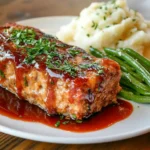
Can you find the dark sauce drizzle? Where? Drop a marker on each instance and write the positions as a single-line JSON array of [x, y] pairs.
[[15, 108]]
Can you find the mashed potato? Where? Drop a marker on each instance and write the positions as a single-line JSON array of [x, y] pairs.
[[110, 24]]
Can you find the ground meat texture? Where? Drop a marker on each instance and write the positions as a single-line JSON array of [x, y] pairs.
[[59, 78]]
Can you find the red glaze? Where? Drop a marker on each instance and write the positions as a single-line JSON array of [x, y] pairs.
[[12, 107], [2, 67], [78, 84], [18, 56], [50, 103], [80, 87]]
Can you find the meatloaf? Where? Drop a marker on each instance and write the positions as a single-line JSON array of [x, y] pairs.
[[59, 78]]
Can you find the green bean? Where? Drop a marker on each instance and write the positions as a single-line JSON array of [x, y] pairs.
[[145, 62], [126, 68], [95, 52], [121, 63], [131, 61], [126, 84], [131, 87], [135, 84], [137, 76], [124, 87], [133, 97]]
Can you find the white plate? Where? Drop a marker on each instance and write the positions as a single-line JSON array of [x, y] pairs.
[[136, 124]]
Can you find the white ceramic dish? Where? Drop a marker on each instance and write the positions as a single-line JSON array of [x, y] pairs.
[[136, 124]]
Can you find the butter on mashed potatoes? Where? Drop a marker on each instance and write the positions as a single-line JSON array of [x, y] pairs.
[[110, 24]]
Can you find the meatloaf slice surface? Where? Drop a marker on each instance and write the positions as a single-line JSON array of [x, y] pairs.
[[59, 78]]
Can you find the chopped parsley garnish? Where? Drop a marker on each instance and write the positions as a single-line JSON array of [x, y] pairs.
[[85, 66], [73, 52], [25, 81], [74, 116], [86, 57], [65, 122], [116, 7], [93, 66], [88, 35], [107, 26], [78, 121], [61, 117], [57, 124], [36, 48], [104, 17], [50, 36], [133, 20], [2, 74], [19, 37], [94, 25], [68, 68], [61, 45], [99, 72], [52, 82]]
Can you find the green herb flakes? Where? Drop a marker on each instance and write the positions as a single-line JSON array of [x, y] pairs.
[[86, 57], [57, 124], [2, 74], [36, 48], [65, 122], [133, 20], [94, 66], [73, 52], [78, 121], [68, 68], [61, 117], [100, 72], [88, 35], [25, 81], [104, 17], [94, 25], [74, 116], [107, 26], [52, 82]]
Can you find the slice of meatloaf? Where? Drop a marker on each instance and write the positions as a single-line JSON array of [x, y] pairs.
[[59, 78]]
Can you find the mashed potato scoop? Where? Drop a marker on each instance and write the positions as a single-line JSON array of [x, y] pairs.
[[108, 24]]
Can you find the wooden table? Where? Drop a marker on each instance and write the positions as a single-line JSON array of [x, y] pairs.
[[14, 10]]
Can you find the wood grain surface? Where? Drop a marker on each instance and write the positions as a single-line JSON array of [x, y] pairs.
[[8, 142], [15, 10]]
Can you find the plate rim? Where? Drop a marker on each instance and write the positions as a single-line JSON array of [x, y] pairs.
[[70, 140]]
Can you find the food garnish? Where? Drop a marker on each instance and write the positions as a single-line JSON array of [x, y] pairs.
[[26, 39], [2, 74]]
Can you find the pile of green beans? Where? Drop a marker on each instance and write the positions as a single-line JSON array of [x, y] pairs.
[[135, 79]]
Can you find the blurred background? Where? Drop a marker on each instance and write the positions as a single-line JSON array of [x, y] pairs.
[[15, 10]]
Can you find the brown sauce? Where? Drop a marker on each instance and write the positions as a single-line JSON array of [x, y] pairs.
[[14, 108]]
